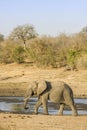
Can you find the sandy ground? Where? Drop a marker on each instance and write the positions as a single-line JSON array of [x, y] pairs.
[[17, 77], [14, 78], [42, 122]]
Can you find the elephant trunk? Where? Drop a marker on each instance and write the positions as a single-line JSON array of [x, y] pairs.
[[27, 97], [25, 104]]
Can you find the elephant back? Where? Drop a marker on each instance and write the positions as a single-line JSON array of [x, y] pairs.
[[57, 84]]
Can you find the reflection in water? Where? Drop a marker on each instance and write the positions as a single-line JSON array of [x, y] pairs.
[[17, 107], [15, 104]]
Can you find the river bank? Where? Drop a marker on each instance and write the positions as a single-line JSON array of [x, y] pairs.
[[14, 79]]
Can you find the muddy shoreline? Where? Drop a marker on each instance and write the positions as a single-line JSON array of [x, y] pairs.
[[14, 79]]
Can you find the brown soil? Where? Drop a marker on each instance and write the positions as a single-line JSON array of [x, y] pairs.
[[14, 79], [41, 122]]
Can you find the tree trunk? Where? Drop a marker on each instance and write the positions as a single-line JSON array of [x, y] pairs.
[[24, 45]]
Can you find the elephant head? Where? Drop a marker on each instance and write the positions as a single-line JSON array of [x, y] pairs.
[[35, 88]]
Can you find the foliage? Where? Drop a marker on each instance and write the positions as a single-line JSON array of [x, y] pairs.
[[47, 51], [82, 61], [72, 56], [84, 30], [18, 54], [42, 53], [23, 33], [6, 53], [11, 52], [1, 37]]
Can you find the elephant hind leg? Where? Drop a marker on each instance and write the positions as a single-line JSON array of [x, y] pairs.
[[68, 97], [60, 112], [74, 111], [70, 102]]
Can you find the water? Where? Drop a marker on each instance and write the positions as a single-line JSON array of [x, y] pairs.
[[15, 104]]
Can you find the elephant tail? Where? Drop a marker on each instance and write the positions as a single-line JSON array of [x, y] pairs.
[[68, 94], [72, 97]]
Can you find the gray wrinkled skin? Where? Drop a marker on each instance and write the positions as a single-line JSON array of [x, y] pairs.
[[56, 91]]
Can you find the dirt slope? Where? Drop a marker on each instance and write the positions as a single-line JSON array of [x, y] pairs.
[[16, 75]]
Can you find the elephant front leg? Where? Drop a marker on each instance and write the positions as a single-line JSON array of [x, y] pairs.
[[37, 105], [45, 108], [44, 102], [61, 109]]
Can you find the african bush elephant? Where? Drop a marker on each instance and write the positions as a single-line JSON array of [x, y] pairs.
[[56, 91]]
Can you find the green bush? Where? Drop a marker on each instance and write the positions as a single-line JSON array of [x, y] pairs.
[[6, 54], [72, 56], [18, 54], [42, 54], [47, 51]]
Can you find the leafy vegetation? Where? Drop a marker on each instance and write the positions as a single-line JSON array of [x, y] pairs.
[[23, 33], [18, 54], [45, 51], [1, 37]]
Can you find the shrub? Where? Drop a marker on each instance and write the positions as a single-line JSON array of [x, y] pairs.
[[18, 54], [42, 54], [72, 56], [6, 54], [47, 51], [82, 62]]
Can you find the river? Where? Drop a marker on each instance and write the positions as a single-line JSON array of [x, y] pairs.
[[15, 105]]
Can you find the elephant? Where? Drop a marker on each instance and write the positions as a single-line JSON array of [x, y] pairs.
[[55, 91]]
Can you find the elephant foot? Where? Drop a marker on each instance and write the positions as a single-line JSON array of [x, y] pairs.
[[60, 114], [35, 113], [46, 113], [75, 114]]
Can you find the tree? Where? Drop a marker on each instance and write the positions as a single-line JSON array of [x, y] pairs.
[[84, 30], [24, 33], [1, 37]]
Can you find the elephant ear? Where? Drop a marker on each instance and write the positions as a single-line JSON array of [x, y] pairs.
[[42, 86]]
